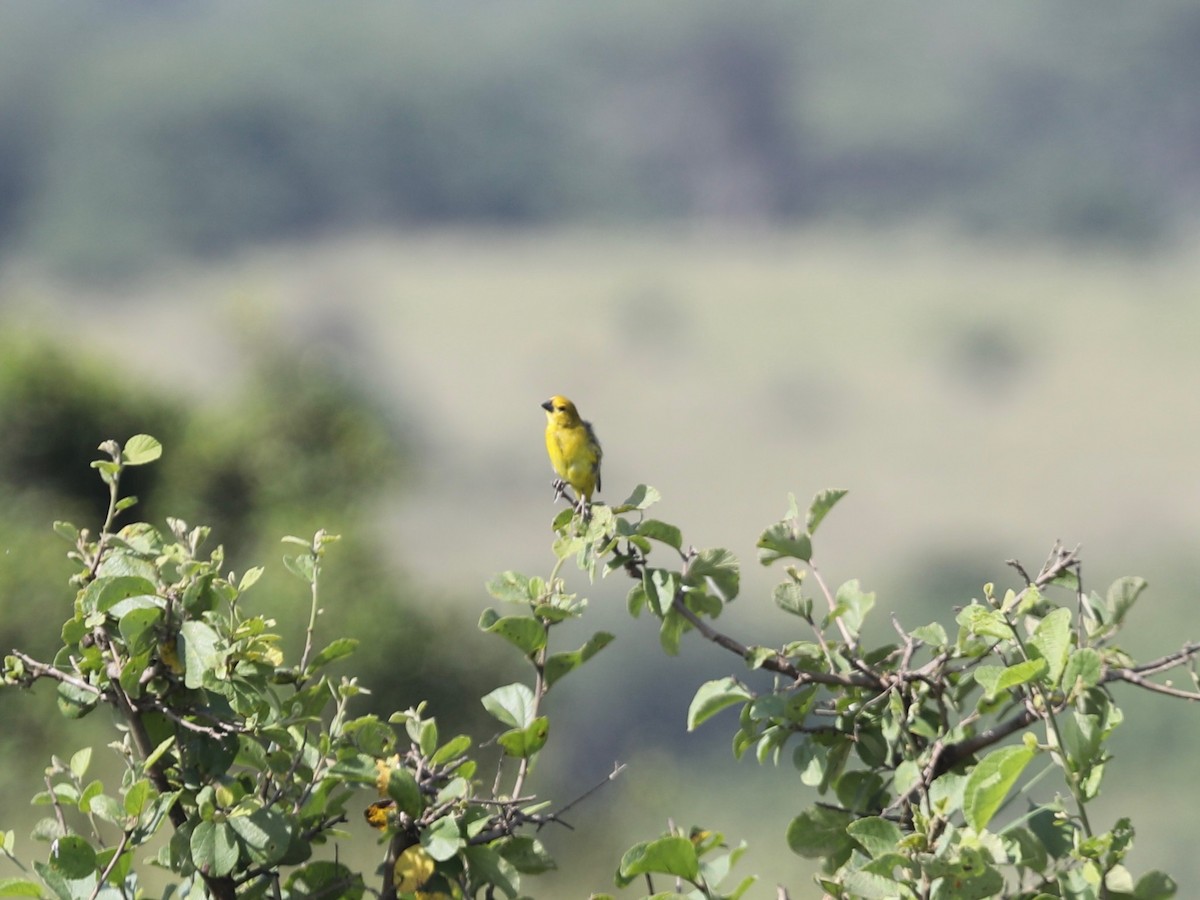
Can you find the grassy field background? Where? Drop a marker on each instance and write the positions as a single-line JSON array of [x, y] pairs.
[[978, 400]]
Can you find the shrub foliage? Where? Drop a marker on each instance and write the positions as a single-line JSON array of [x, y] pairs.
[[954, 761]]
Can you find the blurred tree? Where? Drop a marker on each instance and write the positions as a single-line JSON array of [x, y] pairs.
[[173, 130], [298, 446]]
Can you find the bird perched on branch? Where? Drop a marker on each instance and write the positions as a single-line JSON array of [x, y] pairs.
[[574, 451]]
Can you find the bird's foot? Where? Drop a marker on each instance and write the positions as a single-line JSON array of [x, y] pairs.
[[583, 508], [559, 486]]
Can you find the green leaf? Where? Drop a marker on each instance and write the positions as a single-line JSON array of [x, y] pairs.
[[643, 497], [199, 643], [157, 752], [1155, 885], [107, 468], [1082, 738], [712, 697], [19, 887], [715, 569], [560, 664], [403, 788], [511, 704], [783, 539], [73, 857], [525, 633], [511, 587], [1068, 579], [75, 702], [867, 884], [80, 760], [523, 743], [338, 649], [852, 605], [103, 593], [265, 835], [932, 634], [660, 586], [757, 656], [302, 566], [1052, 642], [452, 749], [790, 598], [989, 623], [527, 855], [663, 532], [1122, 594], [819, 832], [671, 855], [990, 781], [1024, 849], [140, 449], [137, 627], [488, 867], [820, 506], [93, 800], [357, 769], [636, 600], [1084, 669], [324, 879], [66, 531], [877, 836], [371, 736], [249, 578], [995, 679], [1054, 832], [669, 635], [214, 848], [442, 840]]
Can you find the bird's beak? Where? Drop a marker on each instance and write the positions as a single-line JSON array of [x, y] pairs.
[[547, 406]]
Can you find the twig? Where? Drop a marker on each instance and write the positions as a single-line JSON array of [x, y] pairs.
[[1170, 661], [42, 670], [221, 730], [618, 768], [315, 550], [1133, 677], [850, 642], [112, 864]]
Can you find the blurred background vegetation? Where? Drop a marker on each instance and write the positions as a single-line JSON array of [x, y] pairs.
[[335, 255]]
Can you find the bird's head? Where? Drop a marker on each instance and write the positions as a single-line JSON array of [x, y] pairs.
[[561, 411]]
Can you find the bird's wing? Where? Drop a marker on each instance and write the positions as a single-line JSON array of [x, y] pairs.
[[594, 442]]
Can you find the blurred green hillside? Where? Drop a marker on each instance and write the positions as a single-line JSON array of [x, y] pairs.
[[134, 130]]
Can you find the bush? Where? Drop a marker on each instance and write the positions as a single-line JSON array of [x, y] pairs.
[[249, 764]]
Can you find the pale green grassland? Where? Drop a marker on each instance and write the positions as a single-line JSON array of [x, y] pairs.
[[979, 401]]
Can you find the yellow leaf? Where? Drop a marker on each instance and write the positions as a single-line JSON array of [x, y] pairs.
[[413, 869], [383, 772], [379, 813], [169, 654]]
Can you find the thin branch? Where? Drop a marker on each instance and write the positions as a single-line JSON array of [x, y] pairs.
[[315, 550], [850, 642], [112, 864], [1131, 676], [42, 670], [1170, 661], [776, 663], [221, 730], [618, 768], [952, 754]]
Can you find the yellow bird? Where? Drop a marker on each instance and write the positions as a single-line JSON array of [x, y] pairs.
[[574, 451]]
